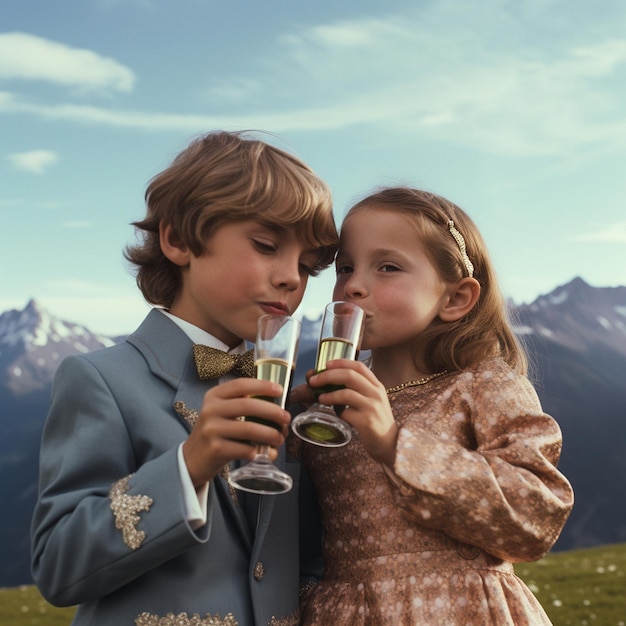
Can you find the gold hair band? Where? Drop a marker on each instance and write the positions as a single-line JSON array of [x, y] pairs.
[[461, 243]]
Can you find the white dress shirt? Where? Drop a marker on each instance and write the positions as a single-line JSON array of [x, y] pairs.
[[195, 500]]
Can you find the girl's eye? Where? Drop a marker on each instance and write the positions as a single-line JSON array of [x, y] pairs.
[[389, 268], [343, 269]]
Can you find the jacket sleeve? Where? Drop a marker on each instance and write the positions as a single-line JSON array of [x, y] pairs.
[[101, 519], [310, 532], [503, 493]]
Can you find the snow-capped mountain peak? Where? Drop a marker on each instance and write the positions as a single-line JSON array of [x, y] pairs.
[[33, 342], [34, 327], [578, 316]]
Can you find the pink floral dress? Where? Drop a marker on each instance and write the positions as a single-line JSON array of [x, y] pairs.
[[431, 542]]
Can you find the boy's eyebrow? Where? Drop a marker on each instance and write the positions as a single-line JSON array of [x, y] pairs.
[[279, 229]]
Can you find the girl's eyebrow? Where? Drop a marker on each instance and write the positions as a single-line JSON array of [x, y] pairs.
[[385, 251], [377, 251]]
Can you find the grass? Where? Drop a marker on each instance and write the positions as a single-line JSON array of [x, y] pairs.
[[582, 588], [22, 606]]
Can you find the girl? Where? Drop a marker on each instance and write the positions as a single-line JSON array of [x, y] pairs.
[[451, 474]]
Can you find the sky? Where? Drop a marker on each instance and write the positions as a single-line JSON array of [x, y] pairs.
[[515, 111]]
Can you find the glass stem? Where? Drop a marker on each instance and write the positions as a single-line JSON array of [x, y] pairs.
[[263, 451]]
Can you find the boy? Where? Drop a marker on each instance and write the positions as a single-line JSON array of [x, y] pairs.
[[136, 522]]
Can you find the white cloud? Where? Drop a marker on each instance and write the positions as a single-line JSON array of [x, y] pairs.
[[36, 161], [31, 58], [482, 85], [352, 34], [603, 58], [612, 233]]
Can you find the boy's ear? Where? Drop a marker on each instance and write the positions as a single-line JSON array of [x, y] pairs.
[[172, 247], [461, 300]]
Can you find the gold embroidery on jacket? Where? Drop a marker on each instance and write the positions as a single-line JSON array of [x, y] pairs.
[[290, 620], [182, 619], [125, 509], [191, 417], [225, 474]]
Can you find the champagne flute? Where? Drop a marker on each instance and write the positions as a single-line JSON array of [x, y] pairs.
[[342, 328], [274, 359]]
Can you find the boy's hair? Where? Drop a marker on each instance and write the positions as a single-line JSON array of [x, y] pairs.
[[224, 177], [486, 330]]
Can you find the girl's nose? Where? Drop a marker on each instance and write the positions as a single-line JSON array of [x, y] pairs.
[[353, 287]]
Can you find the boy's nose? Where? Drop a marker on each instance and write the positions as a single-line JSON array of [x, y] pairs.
[[288, 275]]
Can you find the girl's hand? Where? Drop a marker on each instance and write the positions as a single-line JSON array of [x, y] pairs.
[[302, 394], [367, 407], [219, 435]]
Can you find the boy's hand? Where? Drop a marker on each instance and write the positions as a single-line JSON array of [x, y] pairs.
[[220, 435], [367, 407]]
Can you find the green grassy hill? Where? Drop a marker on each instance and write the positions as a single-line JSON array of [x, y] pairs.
[[582, 587], [22, 606]]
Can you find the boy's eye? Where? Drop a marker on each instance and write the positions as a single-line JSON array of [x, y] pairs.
[[309, 264], [311, 270], [264, 246]]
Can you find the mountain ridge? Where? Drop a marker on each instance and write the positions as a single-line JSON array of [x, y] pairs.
[[576, 334]]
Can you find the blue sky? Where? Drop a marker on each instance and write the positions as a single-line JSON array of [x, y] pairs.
[[514, 110]]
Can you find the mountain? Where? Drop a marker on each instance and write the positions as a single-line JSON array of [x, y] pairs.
[[577, 334], [32, 344]]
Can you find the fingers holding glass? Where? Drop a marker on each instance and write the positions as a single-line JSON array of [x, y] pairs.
[[340, 338]]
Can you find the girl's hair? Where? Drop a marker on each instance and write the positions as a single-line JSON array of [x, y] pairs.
[[486, 330], [226, 177]]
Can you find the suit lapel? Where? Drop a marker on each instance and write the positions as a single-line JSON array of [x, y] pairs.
[[168, 352], [266, 506]]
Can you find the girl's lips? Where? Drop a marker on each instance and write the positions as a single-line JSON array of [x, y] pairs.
[[274, 308]]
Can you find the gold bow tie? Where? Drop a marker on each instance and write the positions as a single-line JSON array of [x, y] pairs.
[[213, 363]]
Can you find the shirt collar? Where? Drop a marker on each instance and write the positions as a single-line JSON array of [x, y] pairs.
[[197, 335]]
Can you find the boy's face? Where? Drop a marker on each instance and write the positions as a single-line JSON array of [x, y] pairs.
[[248, 270]]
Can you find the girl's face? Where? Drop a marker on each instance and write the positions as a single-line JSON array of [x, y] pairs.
[[382, 266]]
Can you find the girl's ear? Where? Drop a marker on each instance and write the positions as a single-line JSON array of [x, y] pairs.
[[461, 299], [172, 247]]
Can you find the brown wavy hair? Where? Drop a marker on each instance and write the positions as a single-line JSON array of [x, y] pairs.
[[486, 331], [226, 177]]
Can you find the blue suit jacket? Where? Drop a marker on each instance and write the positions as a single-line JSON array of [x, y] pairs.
[[109, 532]]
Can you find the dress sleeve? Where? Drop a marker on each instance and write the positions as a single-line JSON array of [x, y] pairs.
[[499, 489], [100, 520]]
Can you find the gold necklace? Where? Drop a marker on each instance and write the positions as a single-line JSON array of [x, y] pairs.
[[415, 383]]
